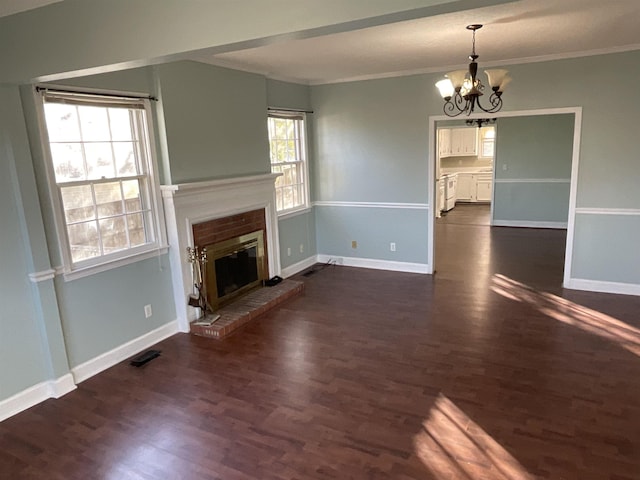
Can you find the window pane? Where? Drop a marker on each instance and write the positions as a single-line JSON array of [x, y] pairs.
[[99, 160], [83, 241], [135, 224], [67, 162], [281, 128], [62, 122], [279, 199], [287, 198], [94, 123], [108, 199], [125, 159], [120, 121], [132, 199], [78, 203], [113, 233]]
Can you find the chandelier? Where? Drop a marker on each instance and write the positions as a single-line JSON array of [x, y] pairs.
[[461, 90]]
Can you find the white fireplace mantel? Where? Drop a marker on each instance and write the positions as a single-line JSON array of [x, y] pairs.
[[186, 204]]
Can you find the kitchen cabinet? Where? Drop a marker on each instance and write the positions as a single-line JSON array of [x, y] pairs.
[[444, 142], [458, 142], [474, 187]]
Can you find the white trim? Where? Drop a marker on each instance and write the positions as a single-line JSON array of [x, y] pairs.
[[156, 251], [528, 224], [108, 359], [36, 394], [577, 132], [532, 180], [36, 277], [602, 286], [299, 266], [376, 264], [573, 195], [293, 213], [410, 206], [608, 211]]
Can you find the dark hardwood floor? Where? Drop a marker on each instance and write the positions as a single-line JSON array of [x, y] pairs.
[[486, 371]]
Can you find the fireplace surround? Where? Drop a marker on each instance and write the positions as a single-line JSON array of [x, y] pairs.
[[188, 205]]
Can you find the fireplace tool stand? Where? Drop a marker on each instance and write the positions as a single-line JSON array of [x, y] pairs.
[[198, 299]]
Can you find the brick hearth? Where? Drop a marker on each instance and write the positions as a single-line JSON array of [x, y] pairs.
[[247, 308]]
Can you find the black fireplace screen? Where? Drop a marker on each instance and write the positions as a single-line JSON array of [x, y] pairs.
[[236, 270]]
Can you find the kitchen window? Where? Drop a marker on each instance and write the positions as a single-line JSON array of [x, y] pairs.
[[288, 156], [102, 175]]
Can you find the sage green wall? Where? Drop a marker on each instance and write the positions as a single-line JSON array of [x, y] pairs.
[[300, 229], [215, 120], [103, 311], [22, 358], [536, 150], [372, 144]]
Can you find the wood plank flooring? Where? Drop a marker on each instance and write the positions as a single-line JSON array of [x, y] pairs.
[[486, 371]]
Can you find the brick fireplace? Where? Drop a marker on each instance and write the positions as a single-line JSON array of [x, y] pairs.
[[212, 212]]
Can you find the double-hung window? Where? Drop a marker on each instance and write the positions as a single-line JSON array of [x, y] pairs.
[[101, 172], [288, 157]]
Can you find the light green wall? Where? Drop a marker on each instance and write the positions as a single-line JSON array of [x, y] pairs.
[[215, 120], [533, 148], [373, 229], [538, 147], [100, 312], [616, 237], [299, 229], [105, 310], [24, 358], [372, 140], [372, 143]]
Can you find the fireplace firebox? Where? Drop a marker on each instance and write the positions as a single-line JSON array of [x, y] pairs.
[[235, 267]]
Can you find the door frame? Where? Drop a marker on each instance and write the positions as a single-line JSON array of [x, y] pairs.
[[575, 158]]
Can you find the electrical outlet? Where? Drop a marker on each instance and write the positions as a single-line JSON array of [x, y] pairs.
[[392, 246], [354, 244], [147, 311], [504, 166], [288, 251], [302, 248]]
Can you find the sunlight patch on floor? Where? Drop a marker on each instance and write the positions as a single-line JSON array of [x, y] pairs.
[[451, 446], [570, 313]]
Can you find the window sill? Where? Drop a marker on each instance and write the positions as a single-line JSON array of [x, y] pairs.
[[82, 272], [293, 213]]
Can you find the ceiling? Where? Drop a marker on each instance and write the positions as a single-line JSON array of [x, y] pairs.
[[518, 32], [9, 7]]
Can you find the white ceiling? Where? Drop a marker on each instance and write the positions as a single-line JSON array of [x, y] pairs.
[[518, 32], [9, 7]]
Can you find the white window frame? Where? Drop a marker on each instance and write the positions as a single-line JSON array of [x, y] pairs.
[[302, 149], [484, 140], [150, 190]]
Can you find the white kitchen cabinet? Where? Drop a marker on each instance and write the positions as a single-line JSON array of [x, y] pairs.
[[484, 185], [464, 190], [444, 142], [462, 142], [474, 187]]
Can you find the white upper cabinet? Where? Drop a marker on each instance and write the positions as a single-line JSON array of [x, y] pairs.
[[458, 142]]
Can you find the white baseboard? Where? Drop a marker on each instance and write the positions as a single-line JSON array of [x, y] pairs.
[[109, 359], [603, 287], [36, 394], [299, 266], [376, 264], [527, 224]]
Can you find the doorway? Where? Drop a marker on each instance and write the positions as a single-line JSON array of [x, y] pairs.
[[517, 175]]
